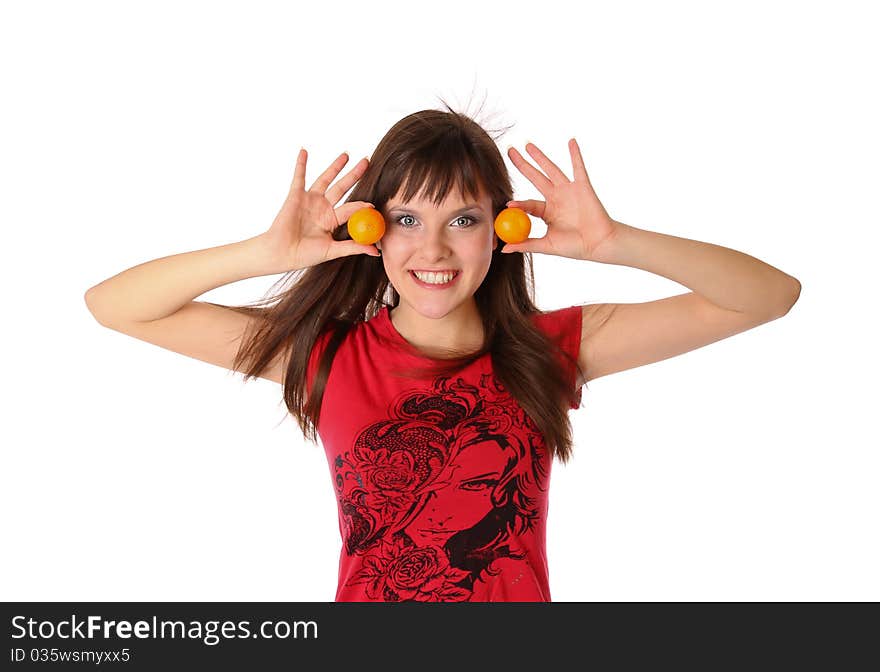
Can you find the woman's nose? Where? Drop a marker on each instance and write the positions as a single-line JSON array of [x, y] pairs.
[[435, 243], [438, 519]]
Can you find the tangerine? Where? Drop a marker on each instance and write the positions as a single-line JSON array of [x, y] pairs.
[[513, 225], [366, 226]]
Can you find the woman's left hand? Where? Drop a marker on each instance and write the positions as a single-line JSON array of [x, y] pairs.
[[577, 224]]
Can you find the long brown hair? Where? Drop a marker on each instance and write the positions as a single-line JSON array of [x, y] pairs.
[[429, 152]]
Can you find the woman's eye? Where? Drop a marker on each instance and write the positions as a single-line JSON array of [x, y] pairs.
[[481, 484], [469, 221]]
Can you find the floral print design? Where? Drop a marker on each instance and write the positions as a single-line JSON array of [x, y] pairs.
[[398, 571], [430, 497]]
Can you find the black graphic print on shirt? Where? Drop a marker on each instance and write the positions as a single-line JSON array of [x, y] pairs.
[[434, 498]]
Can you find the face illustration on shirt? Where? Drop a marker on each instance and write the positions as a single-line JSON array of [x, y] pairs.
[[439, 492], [457, 235], [465, 496]]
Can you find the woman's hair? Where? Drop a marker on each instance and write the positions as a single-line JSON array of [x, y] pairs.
[[430, 152]]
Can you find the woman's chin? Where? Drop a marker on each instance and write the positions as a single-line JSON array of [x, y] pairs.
[[433, 309]]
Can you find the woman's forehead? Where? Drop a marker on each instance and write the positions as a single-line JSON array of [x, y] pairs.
[[454, 200]]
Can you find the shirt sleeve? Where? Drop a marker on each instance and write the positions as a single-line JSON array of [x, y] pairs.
[[563, 327]]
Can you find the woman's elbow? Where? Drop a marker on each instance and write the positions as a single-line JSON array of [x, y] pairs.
[[792, 296]]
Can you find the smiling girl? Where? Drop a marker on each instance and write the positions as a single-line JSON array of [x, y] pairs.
[[439, 391]]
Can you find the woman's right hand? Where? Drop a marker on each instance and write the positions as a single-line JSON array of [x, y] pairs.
[[302, 233]]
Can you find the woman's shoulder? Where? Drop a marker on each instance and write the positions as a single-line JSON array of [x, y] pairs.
[[559, 320], [371, 329]]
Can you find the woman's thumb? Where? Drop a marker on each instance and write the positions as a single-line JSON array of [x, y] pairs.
[[345, 248]]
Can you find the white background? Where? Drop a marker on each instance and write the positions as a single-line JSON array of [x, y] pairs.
[[745, 470]]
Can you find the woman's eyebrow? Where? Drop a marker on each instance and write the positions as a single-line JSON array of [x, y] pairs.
[[491, 474], [405, 208]]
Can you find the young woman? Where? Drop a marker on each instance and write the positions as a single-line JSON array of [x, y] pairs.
[[439, 390]]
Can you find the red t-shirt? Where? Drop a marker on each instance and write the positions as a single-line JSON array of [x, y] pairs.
[[441, 484]]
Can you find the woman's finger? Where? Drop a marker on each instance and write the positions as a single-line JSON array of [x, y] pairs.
[[325, 178], [346, 210], [533, 174], [530, 206], [299, 173], [553, 171], [528, 245], [344, 248], [577, 162], [346, 182]]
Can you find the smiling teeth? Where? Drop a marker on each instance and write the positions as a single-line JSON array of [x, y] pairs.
[[434, 278]]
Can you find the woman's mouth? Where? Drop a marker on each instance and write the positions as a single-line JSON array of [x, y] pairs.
[[435, 280], [429, 532]]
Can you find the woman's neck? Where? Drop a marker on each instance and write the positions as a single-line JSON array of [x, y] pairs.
[[461, 329]]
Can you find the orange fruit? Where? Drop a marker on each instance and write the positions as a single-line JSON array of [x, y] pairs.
[[366, 226], [513, 225]]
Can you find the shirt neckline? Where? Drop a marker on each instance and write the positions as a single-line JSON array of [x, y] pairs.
[[395, 336]]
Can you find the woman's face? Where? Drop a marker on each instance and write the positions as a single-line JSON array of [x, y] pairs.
[[457, 236], [465, 496]]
